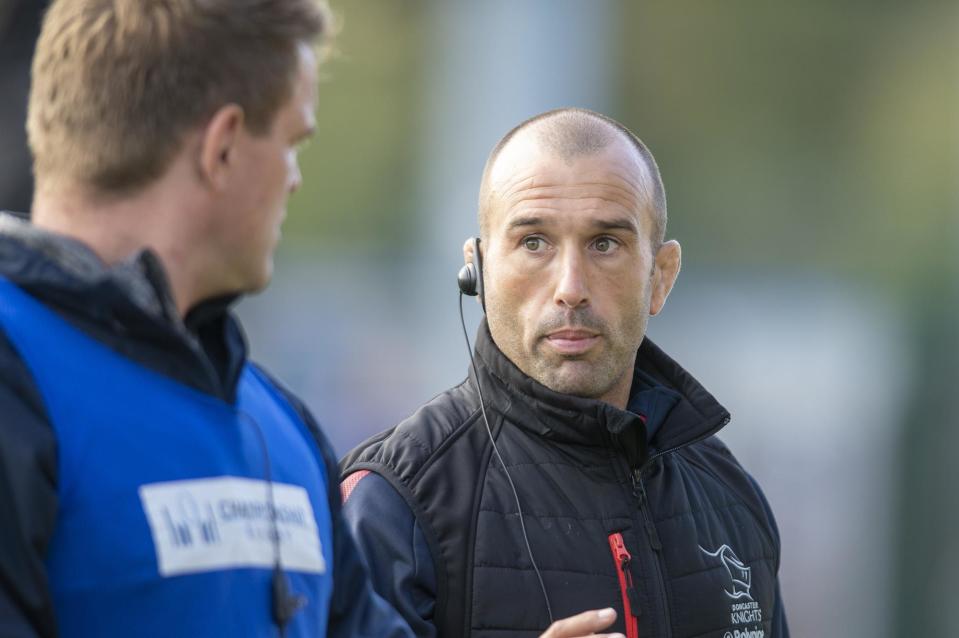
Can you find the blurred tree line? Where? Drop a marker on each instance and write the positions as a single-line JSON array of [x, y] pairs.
[[821, 135]]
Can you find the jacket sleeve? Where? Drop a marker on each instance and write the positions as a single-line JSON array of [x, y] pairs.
[[394, 547], [780, 628], [356, 611], [28, 501]]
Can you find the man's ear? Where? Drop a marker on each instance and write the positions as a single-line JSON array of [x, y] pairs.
[[665, 270], [218, 145], [468, 251]]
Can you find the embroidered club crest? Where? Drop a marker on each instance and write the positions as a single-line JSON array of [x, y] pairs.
[[740, 576]]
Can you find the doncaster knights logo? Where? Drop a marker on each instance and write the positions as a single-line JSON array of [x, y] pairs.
[[740, 576]]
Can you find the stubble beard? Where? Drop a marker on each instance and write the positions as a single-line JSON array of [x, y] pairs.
[[593, 375]]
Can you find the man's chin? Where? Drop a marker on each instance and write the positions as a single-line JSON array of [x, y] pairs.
[[260, 284], [574, 377], [255, 282]]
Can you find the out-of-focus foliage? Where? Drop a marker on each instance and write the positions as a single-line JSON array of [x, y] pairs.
[[819, 134], [359, 187]]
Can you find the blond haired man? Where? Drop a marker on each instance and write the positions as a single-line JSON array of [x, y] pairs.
[[154, 481]]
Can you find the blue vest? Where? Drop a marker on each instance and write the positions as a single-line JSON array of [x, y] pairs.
[[167, 525]]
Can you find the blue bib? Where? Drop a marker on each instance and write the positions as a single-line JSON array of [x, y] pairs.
[[166, 523]]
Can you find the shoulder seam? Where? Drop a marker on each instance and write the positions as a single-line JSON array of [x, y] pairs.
[[761, 519], [453, 436]]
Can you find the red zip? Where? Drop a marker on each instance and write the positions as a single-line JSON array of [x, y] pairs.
[[630, 601]]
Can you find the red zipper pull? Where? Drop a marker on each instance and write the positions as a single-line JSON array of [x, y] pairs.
[[630, 596]]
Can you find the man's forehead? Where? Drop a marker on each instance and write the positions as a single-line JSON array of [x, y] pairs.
[[526, 158], [610, 186], [529, 171]]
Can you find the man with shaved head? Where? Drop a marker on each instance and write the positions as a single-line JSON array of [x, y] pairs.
[[577, 468]]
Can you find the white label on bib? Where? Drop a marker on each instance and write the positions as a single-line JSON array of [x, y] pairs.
[[226, 522]]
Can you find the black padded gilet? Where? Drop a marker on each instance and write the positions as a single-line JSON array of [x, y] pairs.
[[582, 472]]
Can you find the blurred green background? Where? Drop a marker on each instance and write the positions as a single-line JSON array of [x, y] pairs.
[[821, 136], [811, 159]]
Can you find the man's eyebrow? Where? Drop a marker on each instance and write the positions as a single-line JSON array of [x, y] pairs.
[[620, 223], [524, 221]]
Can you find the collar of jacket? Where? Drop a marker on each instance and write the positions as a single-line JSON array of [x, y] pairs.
[[695, 415], [128, 306]]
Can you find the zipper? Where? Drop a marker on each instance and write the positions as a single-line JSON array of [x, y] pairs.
[[639, 492], [622, 560]]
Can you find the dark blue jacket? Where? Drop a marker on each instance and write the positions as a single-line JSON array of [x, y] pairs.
[[427, 503], [128, 309]]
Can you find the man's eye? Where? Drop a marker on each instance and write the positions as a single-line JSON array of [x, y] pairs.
[[604, 244], [533, 244]]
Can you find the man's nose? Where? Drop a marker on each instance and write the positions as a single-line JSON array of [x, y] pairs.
[[571, 287]]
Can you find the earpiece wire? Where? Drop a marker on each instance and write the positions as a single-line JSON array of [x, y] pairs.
[[489, 431]]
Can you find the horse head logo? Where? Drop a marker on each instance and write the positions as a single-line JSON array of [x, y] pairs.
[[740, 575]]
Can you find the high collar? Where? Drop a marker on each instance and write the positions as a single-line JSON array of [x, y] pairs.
[[127, 305], [694, 413]]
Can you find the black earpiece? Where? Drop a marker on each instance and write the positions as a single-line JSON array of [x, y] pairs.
[[467, 280], [470, 277], [283, 602]]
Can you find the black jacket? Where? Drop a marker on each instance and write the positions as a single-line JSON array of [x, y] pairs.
[[127, 307], [702, 544]]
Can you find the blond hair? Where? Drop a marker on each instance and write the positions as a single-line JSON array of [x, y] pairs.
[[118, 83]]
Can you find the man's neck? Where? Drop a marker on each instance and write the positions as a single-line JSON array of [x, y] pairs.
[[618, 395], [117, 227]]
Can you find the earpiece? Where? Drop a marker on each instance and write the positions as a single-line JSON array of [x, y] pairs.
[[284, 603], [470, 277], [467, 280]]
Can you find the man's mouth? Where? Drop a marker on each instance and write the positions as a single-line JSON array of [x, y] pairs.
[[572, 341]]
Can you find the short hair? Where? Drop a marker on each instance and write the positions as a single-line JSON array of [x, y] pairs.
[[574, 132], [118, 83]]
